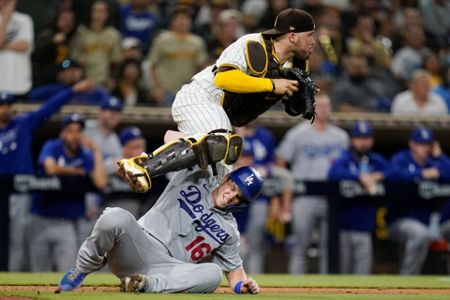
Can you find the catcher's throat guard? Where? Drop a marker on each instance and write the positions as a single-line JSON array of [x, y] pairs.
[[183, 154]]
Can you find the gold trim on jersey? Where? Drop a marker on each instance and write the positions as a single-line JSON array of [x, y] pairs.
[[250, 56]]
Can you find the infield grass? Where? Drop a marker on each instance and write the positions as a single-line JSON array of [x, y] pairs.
[[288, 281]]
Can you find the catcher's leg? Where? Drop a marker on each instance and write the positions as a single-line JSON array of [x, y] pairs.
[[179, 155]]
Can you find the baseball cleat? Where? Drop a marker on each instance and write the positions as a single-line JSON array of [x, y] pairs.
[[133, 171], [71, 280], [133, 284]]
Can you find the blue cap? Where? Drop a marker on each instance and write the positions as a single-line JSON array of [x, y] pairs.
[[422, 135], [130, 133], [6, 98], [249, 182], [67, 64], [72, 118], [362, 129], [111, 103]]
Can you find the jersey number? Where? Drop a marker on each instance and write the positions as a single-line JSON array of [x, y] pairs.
[[198, 250]]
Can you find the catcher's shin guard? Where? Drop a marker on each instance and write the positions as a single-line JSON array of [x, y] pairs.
[[183, 154]]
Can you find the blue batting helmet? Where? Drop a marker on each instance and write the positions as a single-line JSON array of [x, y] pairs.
[[249, 182]]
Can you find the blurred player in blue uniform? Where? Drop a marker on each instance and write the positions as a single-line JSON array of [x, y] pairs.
[[51, 232], [16, 133], [408, 224], [259, 152], [357, 217]]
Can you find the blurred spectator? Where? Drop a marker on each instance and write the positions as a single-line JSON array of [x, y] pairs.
[[432, 64], [253, 10], [176, 55], [68, 73], [419, 99], [137, 21], [52, 47], [118, 193], [408, 219], [359, 89], [16, 157], [410, 57], [16, 44], [97, 46], [132, 48], [320, 70], [329, 36], [357, 216], [206, 22], [127, 84], [268, 18], [231, 23], [443, 89], [51, 231], [310, 150], [435, 16], [363, 42]]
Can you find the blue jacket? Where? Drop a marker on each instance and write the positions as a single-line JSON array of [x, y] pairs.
[[15, 139], [404, 167], [357, 214], [54, 205]]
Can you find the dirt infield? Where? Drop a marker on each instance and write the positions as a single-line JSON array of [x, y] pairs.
[[267, 290]]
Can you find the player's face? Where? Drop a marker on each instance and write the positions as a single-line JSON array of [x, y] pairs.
[[362, 145], [100, 12], [304, 43], [109, 118], [420, 151], [323, 108], [5, 114], [133, 148], [72, 136], [226, 194]]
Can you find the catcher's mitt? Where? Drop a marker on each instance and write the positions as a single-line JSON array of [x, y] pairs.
[[301, 102]]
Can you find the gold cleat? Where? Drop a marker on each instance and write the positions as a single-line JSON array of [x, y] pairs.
[[133, 171]]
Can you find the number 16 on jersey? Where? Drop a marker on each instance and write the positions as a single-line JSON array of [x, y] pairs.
[[198, 251]]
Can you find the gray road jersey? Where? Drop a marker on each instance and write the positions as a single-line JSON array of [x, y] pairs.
[[185, 221], [109, 145], [310, 152]]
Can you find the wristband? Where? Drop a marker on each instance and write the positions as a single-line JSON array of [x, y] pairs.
[[273, 86], [237, 287]]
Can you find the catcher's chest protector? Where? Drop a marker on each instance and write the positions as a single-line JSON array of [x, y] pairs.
[[242, 108]]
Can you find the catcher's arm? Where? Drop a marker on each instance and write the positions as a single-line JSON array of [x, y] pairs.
[[240, 284], [234, 80]]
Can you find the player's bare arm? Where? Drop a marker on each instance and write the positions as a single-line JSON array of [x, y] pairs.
[[240, 283]]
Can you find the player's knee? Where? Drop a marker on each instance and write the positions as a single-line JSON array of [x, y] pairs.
[[213, 278], [113, 217]]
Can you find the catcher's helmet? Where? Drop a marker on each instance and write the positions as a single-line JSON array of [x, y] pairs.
[[249, 182]]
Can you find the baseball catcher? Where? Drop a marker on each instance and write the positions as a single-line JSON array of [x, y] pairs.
[[251, 75]]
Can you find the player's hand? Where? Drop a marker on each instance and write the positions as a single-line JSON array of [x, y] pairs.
[[369, 183], [285, 87], [431, 173], [250, 286], [436, 151]]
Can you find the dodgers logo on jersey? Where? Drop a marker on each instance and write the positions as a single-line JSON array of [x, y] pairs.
[[190, 202]]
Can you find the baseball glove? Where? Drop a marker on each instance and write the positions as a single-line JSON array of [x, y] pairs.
[[301, 102]]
